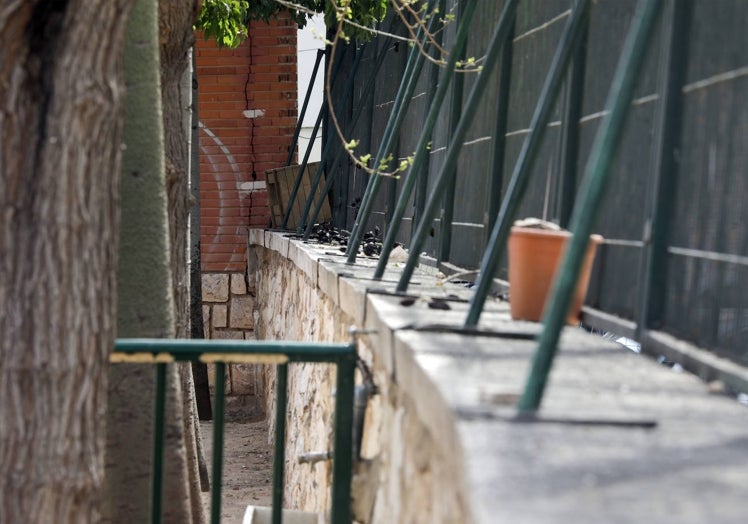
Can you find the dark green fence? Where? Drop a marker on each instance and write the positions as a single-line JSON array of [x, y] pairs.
[[674, 216]]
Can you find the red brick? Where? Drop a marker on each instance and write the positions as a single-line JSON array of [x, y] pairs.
[[268, 60]]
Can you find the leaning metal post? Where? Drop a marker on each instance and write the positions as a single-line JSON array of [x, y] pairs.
[[422, 149], [302, 113], [597, 174], [368, 90], [498, 39], [302, 167], [328, 143], [521, 175], [399, 109]]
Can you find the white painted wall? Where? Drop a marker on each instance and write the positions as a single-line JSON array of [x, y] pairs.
[[309, 39]]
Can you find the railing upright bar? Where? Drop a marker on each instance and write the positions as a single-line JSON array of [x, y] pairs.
[[455, 145], [159, 419], [368, 90], [597, 174], [391, 132], [326, 150], [317, 123], [300, 121], [343, 444], [527, 156], [422, 150], [218, 419], [279, 456]]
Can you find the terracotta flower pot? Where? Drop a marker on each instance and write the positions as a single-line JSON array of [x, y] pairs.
[[534, 255]]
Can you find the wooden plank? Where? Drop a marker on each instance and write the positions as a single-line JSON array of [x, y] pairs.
[[280, 183]]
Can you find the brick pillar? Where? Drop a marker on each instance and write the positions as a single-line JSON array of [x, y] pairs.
[[248, 106]]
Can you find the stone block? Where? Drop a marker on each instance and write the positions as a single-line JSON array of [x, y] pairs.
[[219, 319], [238, 284], [242, 312], [226, 334], [244, 379], [206, 321], [256, 237], [215, 287], [254, 261], [352, 294], [304, 259], [212, 379], [327, 280]]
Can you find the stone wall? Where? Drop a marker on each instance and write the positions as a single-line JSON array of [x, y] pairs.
[[442, 441], [406, 475], [228, 305]]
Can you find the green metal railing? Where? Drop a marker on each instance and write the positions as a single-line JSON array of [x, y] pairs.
[[161, 352]]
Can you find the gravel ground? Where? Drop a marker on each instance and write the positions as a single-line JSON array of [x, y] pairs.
[[247, 468]]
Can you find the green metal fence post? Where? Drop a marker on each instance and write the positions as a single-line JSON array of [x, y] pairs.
[[422, 149], [652, 275], [596, 177], [527, 155], [569, 143], [159, 408], [368, 90], [343, 445], [302, 113], [281, 399], [218, 419], [328, 143], [302, 167], [499, 144], [391, 132], [317, 123], [448, 205], [498, 40]]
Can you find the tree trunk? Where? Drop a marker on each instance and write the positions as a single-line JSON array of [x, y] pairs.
[[60, 115], [145, 304], [176, 38]]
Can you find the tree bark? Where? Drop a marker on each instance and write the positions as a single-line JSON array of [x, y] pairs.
[[145, 301], [176, 38], [60, 115]]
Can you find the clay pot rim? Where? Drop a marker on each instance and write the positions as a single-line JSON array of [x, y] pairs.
[[537, 232]]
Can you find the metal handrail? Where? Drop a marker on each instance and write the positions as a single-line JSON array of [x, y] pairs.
[[221, 352]]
